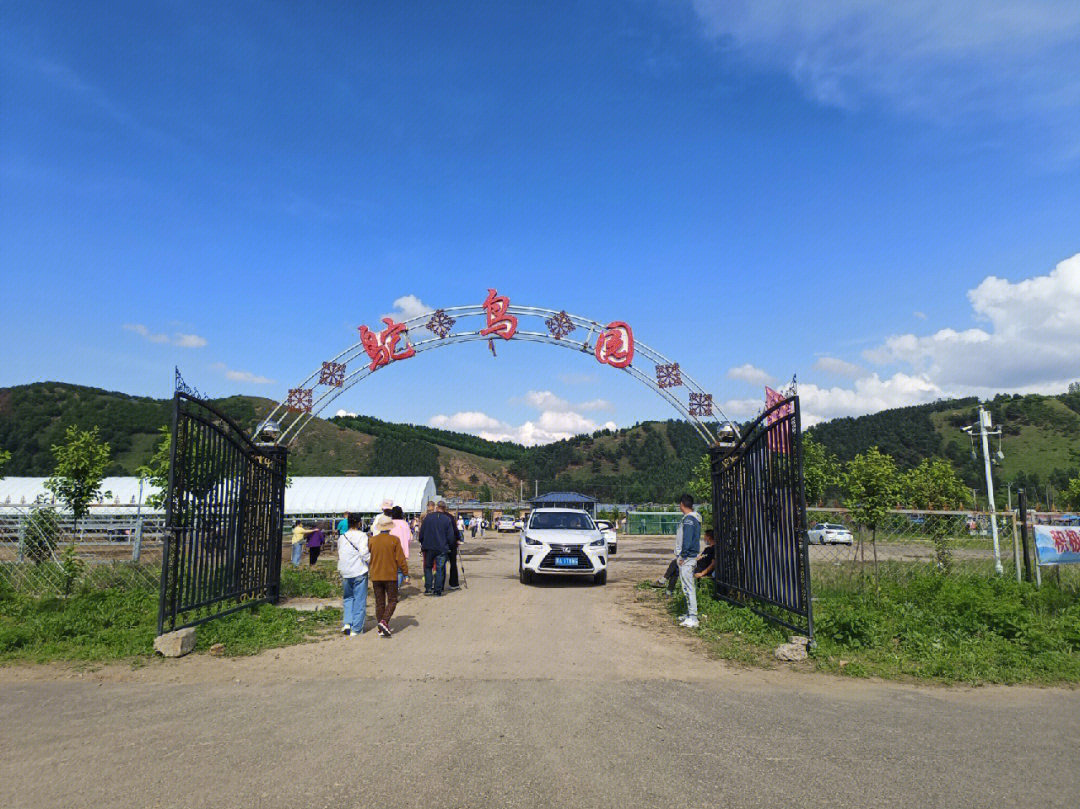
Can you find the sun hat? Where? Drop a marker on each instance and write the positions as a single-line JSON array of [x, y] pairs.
[[383, 522], [387, 504]]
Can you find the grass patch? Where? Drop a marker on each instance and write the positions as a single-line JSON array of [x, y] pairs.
[[120, 624], [321, 581], [948, 629]]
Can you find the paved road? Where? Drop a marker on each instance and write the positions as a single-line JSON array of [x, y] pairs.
[[556, 695]]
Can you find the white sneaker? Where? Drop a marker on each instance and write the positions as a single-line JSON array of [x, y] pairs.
[[682, 618], [690, 623]]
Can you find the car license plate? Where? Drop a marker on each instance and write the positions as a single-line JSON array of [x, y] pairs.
[[565, 561]]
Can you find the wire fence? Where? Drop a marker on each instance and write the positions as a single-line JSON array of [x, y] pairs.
[[44, 552], [911, 543]]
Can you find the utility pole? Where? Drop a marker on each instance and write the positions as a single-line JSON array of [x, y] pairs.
[[984, 433], [537, 482]]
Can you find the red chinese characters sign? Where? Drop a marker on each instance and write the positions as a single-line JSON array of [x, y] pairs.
[[499, 321], [615, 345], [382, 346], [1057, 544]]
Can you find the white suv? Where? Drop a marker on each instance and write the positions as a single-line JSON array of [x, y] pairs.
[[562, 541]]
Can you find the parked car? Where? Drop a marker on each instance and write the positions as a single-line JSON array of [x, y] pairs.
[[505, 523], [519, 524], [827, 533], [608, 530], [562, 541]]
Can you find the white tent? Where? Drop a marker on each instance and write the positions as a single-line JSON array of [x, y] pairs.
[[306, 495], [311, 495]]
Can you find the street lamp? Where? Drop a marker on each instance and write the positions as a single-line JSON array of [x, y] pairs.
[[983, 426]]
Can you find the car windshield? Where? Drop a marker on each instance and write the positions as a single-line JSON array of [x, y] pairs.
[[603, 524], [561, 520], [837, 527]]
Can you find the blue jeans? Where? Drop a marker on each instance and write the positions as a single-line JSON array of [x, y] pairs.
[[355, 602], [434, 568], [297, 552]]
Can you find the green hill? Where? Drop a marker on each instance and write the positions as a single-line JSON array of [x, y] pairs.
[[1040, 438], [650, 461]]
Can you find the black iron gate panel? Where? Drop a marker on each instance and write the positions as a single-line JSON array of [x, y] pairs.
[[759, 509], [224, 515]]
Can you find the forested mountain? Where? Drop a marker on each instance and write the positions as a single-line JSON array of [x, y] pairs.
[[650, 461], [1040, 438]]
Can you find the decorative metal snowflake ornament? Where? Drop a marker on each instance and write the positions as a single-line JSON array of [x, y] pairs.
[[668, 376], [332, 374], [700, 404], [299, 400], [560, 325], [440, 323]]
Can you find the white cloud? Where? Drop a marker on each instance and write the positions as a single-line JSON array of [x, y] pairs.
[[1031, 341], [945, 61], [178, 339], [558, 420], [466, 421], [189, 340], [832, 365], [344, 412], [919, 315], [869, 394], [546, 400], [407, 307], [1030, 344], [751, 374], [242, 376]]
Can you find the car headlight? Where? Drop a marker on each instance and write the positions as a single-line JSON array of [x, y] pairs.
[[597, 543], [531, 541]]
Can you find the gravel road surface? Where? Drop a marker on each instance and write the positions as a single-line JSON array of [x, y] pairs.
[[561, 694]]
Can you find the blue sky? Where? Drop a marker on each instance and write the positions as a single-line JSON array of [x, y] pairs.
[[881, 197]]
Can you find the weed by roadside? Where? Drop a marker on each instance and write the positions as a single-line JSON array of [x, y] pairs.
[[321, 581], [949, 629], [120, 624]]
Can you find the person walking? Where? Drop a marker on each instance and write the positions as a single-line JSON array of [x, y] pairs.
[[452, 581], [436, 537], [354, 553], [387, 564], [343, 525], [299, 534], [687, 547], [315, 544], [404, 534]]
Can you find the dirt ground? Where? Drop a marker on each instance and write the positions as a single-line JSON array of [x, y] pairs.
[[559, 694]]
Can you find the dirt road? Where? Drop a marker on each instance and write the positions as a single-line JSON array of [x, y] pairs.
[[561, 694]]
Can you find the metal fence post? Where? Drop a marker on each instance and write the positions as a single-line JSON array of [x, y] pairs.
[[137, 550], [1021, 502], [1016, 547]]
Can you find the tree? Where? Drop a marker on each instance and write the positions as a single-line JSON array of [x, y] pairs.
[[820, 471], [1070, 496], [869, 484], [5, 456], [700, 484], [1074, 387], [484, 495], [934, 485], [80, 467], [157, 471]]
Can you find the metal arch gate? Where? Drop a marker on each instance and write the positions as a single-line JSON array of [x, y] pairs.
[[759, 508], [224, 515]]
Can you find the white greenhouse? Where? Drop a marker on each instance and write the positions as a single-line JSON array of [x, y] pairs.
[[307, 496]]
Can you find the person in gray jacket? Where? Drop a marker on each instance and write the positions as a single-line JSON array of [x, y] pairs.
[[687, 547]]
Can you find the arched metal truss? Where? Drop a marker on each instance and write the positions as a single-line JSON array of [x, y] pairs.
[[311, 397]]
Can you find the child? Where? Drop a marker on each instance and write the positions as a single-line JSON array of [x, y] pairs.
[[387, 559]]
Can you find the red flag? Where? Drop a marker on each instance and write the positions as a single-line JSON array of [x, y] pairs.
[[779, 437]]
